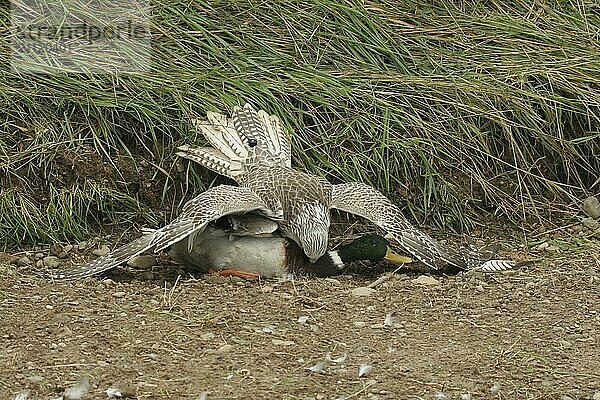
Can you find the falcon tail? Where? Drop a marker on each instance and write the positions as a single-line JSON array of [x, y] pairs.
[[248, 137]]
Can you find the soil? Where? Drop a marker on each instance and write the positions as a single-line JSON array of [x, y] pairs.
[[533, 333]]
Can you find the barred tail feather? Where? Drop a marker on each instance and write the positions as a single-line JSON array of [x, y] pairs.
[[212, 159], [501, 265], [276, 141]]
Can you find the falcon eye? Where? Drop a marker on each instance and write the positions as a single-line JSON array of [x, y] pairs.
[[252, 142]]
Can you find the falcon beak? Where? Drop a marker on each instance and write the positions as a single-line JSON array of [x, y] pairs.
[[396, 258]]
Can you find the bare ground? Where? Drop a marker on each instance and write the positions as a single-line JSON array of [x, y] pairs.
[[535, 332]]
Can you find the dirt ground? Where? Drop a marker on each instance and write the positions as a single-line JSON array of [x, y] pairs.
[[527, 334]]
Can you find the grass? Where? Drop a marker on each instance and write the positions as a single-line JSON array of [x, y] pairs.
[[460, 111]]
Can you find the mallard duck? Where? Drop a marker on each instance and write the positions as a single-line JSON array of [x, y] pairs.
[[248, 246], [251, 254], [252, 149]]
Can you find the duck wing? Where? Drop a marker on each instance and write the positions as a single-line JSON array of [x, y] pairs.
[[363, 200], [196, 214]]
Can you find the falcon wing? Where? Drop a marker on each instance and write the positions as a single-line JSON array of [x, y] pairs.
[[197, 213], [360, 199]]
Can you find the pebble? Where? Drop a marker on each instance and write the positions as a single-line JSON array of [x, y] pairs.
[[596, 396], [102, 251], [208, 336], [63, 254], [39, 256], [591, 206], [82, 245], [590, 223], [119, 294], [226, 348], [426, 280], [362, 291], [278, 342], [68, 248], [51, 261], [147, 276], [142, 262], [24, 261]]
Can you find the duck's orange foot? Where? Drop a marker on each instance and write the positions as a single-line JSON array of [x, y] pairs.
[[235, 272]]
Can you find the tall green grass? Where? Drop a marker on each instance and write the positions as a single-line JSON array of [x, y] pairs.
[[459, 110]]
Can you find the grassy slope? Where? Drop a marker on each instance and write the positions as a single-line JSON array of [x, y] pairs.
[[454, 108]]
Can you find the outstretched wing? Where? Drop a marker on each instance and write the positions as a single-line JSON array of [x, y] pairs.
[[361, 199], [197, 213]]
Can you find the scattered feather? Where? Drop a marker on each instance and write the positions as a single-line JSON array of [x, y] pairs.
[[22, 395], [495, 389], [318, 367], [267, 329], [341, 359], [465, 396], [389, 319], [304, 319], [113, 392], [440, 396], [364, 370], [77, 391]]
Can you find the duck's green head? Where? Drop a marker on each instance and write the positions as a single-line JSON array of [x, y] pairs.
[[370, 247]]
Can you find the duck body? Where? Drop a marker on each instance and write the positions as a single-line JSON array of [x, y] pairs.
[[252, 248], [213, 252]]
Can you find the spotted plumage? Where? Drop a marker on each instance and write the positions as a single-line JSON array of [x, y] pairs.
[[252, 148]]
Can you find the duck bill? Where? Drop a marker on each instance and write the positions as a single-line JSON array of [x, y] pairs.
[[396, 258]]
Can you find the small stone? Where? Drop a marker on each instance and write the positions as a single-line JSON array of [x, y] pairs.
[[119, 294], [590, 223], [362, 291], [480, 288], [596, 396], [142, 262], [208, 336], [226, 348], [495, 389], [63, 255], [147, 276], [543, 246], [426, 280], [552, 248], [24, 261], [102, 251], [591, 206], [35, 378], [51, 261], [39, 256], [56, 249], [278, 342], [82, 245], [68, 248]]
